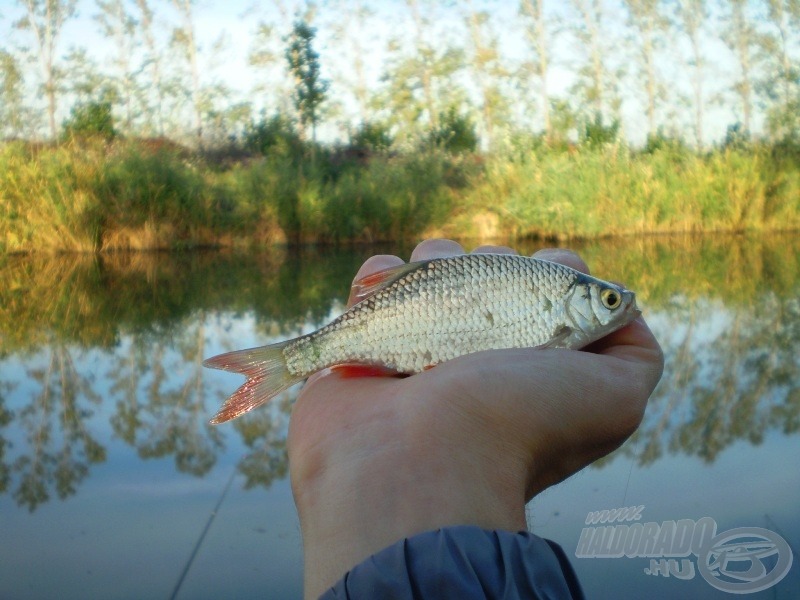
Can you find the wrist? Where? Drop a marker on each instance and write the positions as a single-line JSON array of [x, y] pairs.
[[353, 506]]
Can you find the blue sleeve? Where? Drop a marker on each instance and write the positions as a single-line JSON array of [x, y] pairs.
[[463, 563]]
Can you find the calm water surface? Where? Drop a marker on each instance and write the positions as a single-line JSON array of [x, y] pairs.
[[113, 485]]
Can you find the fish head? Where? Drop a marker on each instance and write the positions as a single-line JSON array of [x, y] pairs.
[[595, 308]]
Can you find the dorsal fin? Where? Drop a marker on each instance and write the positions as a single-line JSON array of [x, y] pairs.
[[374, 282]]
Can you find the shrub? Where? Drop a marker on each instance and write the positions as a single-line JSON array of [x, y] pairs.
[[90, 119]]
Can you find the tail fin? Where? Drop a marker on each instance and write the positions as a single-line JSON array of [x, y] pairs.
[[267, 376]]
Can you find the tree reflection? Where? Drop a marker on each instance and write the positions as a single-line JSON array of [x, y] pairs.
[[264, 433], [735, 385], [726, 312], [55, 422], [5, 419], [159, 413]]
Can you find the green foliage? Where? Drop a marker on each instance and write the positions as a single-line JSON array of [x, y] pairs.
[[605, 191], [596, 133], [275, 134], [660, 141], [455, 133], [90, 119], [11, 95], [310, 88], [95, 195], [374, 136], [736, 137]]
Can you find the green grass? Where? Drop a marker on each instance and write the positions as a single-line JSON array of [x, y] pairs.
[[94, 195], [613, 191]]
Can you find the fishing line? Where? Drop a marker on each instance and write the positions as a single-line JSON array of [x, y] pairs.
[[202, 537], [628, 482]]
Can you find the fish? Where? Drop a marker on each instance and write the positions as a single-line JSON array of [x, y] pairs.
[[412, 317]]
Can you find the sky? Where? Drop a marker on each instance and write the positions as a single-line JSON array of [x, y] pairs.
[[234, 23]]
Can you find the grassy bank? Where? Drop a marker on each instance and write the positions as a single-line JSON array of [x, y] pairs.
[[612, 191], [93, 195]]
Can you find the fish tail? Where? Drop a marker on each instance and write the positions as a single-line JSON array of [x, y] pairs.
[[267, 376]]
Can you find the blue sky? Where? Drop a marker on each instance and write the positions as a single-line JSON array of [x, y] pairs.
[[234, 23]]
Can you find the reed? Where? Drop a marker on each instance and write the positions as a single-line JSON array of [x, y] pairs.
[[613, 191], [91, 195]]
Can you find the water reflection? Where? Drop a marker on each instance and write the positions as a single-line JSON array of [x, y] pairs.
[[95, 348], [732, 373], [60, 448], [159, 413]]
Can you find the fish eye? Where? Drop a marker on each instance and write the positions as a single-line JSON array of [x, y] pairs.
[[611, 298]]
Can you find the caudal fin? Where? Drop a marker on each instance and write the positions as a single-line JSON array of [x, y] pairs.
[[267, 376]]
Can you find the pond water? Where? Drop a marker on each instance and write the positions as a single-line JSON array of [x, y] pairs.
[[114, 485]]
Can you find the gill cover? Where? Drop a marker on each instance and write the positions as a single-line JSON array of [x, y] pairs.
[[597, 307]]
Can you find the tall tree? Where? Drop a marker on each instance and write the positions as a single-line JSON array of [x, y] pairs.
[[152, 62], [185, 40], [741, 37], [119, 26], [427, 55], [12, 117], [272, 89], [266, 56], [536, 32], [95, 96], [309, 87], [781, 84], [45, 20], [421, 79], [356, 36], [487, 67], [85, 80], [692, 15], [649, 23], [596, 83]]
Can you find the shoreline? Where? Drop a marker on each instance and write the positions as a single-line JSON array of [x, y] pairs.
[[93, 197], [471, 241]]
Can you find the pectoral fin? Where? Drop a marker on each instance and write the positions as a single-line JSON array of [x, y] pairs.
[[561, 336]]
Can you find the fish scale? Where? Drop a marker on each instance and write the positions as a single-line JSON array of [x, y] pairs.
[[412, 317]]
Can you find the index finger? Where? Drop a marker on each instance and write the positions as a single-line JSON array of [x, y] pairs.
[[563, 256]]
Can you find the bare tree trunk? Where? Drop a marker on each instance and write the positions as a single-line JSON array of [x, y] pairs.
[[427, 83], [646, 18], [591, 14], [534, 10], [541, 43], [651, 84], [50, 84], [45, 20], [697, 84], [154, 60], [116, 24], [480, 50], [739, 38], [784, 16], [692, 14], [360, 91], [185, 9]]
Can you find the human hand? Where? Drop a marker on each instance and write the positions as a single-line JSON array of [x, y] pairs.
[[469, 442]]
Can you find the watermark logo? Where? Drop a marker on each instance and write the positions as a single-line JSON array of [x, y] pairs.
[[739, 561]]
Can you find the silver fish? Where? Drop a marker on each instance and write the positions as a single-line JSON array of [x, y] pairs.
[[415, 316]]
